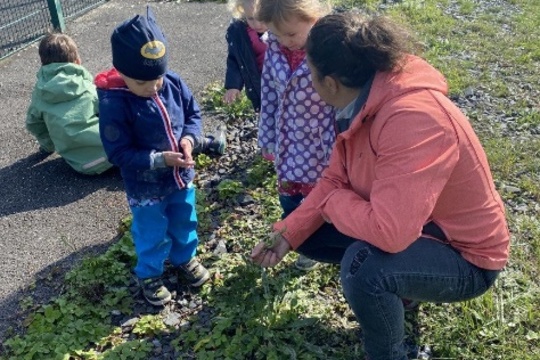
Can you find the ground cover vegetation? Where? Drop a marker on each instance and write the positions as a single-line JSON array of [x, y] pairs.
[[490, 52]]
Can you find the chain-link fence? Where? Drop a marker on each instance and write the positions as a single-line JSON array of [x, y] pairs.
[[25, 21]]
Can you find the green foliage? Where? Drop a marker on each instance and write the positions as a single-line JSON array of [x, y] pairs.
[[262, 173], [512, 159], [58, 329], [202, 161], [99, 279], [204, 210], [149, 325], [81, 316], [466, 6], [129, 350], [526, 231], [213, 101], [370, 5], [267, 320], [528, 118], [228, 189], [501, 322]]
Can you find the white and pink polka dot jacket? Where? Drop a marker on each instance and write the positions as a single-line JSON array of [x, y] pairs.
[[295, 123]]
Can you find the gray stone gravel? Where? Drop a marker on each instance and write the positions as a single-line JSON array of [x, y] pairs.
[[50, 216]]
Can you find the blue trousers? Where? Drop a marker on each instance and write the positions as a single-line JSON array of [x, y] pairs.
[[374, 282], [166, 230], [289, 203]]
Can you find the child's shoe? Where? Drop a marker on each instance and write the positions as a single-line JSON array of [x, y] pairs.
[[194, 273], [415, 352], [424, 353], [304, 263], [215, 143], [154, 291]]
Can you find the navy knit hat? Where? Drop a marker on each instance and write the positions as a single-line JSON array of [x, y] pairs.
[[139, 48]]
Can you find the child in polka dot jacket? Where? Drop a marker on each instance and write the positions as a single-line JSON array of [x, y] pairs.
[[296, 127]]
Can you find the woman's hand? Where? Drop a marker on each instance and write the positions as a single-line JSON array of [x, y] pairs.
[[231, 95], [270, 255]]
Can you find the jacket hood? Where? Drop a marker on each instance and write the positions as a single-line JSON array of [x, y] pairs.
[[274, 45], [60, 82], [109, 79], [415, 75]]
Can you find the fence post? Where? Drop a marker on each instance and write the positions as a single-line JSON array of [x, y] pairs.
[[57, 16]]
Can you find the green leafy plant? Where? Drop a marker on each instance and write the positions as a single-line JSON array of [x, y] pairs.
[[202, 161], [228, 189], [80, 316], [149, 325], [213, 101], [261, 173]]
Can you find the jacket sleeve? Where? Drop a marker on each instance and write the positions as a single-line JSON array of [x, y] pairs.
[[117, 134], [192, 114], [269, 105], [35, 124], [233, 75], [307, 218], [416, 155]]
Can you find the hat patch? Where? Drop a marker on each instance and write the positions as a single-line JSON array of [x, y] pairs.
[[153, 50]]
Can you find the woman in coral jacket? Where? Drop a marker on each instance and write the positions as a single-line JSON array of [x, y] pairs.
[[407, 205]]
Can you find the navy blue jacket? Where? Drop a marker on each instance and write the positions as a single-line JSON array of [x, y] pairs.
[[241, 63], [133, 127]]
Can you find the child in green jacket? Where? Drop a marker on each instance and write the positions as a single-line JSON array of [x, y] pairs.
[[63, 113]]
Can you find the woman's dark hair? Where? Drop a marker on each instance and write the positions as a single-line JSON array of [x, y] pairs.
[[352, 48]]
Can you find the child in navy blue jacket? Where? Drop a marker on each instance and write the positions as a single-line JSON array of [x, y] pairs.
[[246, 48], [149, 125]]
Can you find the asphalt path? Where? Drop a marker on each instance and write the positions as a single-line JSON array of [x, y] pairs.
[[22, 21], [50, 216]]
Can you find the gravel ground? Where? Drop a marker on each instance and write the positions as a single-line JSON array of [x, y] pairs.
[[49, 215]]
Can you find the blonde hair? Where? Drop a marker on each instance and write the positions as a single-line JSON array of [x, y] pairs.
[[57, 48], [278, 12], [238, 7]]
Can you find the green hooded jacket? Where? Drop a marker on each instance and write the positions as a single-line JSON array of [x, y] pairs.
[[63, 116]]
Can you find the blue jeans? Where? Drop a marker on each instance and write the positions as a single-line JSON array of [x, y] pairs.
[[166, 230], [289, 203], [374, 282]]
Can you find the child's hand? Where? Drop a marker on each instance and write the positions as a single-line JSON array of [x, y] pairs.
[[231, 95], [177, 159], [187, 148]]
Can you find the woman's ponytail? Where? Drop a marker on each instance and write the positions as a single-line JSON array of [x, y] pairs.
[[352, 48]]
